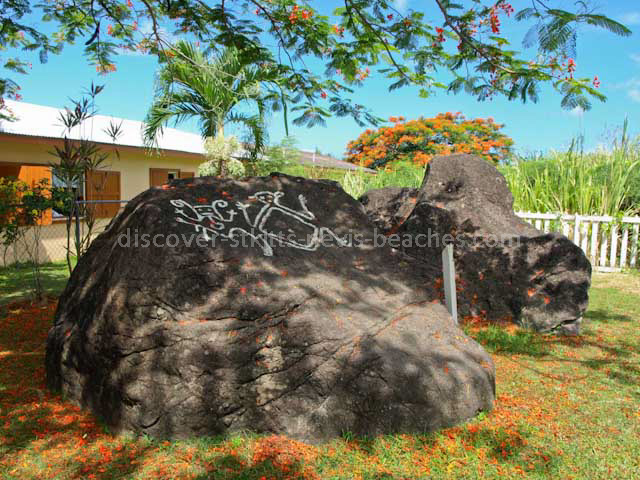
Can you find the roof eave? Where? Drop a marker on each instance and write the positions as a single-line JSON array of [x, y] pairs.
[[53, 140]]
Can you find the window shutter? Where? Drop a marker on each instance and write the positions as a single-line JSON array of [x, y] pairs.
[[10, 170], [32, 175], [102, 185], [157, 177], [187, 174]]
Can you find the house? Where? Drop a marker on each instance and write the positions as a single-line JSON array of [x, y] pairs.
[[25, 152], [310, 158], [26, 147]]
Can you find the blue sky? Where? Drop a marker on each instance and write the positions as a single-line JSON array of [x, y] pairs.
[[534, 127]]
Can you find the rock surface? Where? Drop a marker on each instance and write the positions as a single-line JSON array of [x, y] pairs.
[[389, 207], [285, 334], [508, 270]]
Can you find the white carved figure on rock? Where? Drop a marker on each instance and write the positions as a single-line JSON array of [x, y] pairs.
[[273, 222]]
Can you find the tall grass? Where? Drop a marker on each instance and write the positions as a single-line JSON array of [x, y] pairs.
[[307, 171], [357, 183], [605, 182]]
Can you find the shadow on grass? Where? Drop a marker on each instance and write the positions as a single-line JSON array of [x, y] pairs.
[[501, 447], [274, 457], [47, 433], [625, 373], [16, 281], [229, 467], [616, 363], [507, 445], [47, 428], [606, 316]]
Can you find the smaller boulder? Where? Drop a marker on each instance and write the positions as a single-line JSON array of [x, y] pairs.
[[507, 270]]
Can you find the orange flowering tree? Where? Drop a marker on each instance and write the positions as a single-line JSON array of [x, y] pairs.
[[419, 140]]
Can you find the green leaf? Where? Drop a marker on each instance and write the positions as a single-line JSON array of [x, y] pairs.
[[606, 23]]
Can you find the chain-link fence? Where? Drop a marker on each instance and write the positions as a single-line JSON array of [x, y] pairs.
[[48, 243]]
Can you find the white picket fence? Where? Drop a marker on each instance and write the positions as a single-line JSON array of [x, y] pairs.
[[611, 244]]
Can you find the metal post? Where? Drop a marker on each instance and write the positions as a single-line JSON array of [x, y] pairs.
[[449, 277]]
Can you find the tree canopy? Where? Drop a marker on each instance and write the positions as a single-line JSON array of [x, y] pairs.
[[417, 141], [191, 84], [321, 55]]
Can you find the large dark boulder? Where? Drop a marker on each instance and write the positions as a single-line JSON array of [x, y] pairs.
[[507, 270], [270, 330]]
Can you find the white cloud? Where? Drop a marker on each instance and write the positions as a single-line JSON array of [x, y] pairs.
[[146, 29], [129, 53], [631, 86], [401, 4], [576, 112], [635, 57], [630, 18]]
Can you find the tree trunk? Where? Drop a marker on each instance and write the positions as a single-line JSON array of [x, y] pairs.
[[222, 166]]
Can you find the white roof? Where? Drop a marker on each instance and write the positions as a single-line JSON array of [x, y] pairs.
[[40, 121]]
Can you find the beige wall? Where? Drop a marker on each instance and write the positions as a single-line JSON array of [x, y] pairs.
[[52, 243], [134, 163]]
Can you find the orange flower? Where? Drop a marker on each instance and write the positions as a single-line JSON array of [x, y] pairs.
[[421, 138]]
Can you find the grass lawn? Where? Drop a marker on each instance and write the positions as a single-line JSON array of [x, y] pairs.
[[16, 282], [566, 408]]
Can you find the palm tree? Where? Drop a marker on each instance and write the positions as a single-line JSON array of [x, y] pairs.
[[210, 88]]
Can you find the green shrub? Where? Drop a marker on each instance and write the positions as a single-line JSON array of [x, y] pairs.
[[219, 151]]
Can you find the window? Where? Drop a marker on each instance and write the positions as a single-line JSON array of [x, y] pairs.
[[160, 176], [78, 189]]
